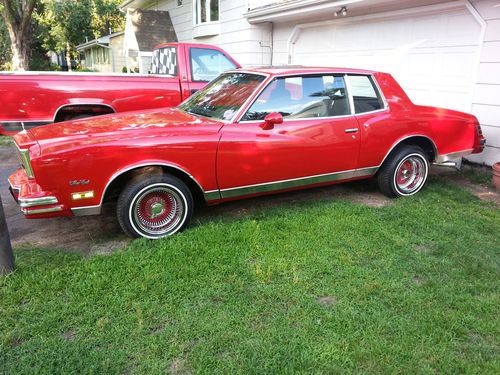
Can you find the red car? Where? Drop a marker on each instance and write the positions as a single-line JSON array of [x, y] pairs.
[[249, 132]]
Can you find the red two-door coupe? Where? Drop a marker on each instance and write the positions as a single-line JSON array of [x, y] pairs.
[[249, 132]]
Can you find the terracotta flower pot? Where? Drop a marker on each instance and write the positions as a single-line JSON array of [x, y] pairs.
[[496, 175]]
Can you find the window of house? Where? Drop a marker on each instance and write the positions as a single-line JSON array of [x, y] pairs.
[[206, 64], [302, 97], [206, 11], [365, 95]]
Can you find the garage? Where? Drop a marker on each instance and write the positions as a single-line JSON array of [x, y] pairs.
[[433, 54]]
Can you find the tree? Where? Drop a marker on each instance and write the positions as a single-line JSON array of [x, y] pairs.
[[66, 23], [17, 17]]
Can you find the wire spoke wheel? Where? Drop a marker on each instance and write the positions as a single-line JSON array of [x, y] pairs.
[[158, 210], [154, 207], [410, 174], [404, 172]]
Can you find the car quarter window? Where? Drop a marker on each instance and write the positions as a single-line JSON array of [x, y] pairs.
[[206, 63], [364, 93], [301, 97]]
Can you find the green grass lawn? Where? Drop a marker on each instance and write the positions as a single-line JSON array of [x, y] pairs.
[[318, 287], [5, 140]]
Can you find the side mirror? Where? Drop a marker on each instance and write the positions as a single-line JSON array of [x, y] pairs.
[[272, 119]]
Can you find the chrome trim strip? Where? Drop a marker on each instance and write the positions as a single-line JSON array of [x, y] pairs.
[[380, 92], [35, 202], [14, 187], [24, 155], [296, 182], [42, 210], [287, 119], [452, 156], [349, 95], [212, 195], [150, 164], [87, 210], [367, 171], [398, 142]]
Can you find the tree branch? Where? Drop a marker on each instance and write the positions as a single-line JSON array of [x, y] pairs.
[[10, 13], [26, 14]]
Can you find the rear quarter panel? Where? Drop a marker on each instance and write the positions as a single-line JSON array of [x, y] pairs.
[[450, 131]]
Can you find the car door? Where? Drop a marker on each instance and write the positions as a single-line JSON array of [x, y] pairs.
[[316, 143]]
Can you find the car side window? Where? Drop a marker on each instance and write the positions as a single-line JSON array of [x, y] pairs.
[[164, 61], [364, 93], [302, 97], [207, 64]]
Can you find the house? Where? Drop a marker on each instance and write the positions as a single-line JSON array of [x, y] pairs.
[[104, 54], [145, 29], [444, 53], [130, 50]]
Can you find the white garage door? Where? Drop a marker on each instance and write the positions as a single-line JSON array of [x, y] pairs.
[[433, 56]]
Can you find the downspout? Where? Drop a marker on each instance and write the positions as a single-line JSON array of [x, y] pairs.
[[292, 39], [482, 34]]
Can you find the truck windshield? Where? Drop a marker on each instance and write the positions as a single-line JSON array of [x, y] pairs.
[[221, 98]]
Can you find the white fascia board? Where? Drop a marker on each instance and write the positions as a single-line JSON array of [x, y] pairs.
[[276, 11]]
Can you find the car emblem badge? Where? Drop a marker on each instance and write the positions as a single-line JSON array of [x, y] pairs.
[[79, 182]]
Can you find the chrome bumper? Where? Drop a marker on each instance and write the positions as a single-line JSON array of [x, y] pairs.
[[453, 159]]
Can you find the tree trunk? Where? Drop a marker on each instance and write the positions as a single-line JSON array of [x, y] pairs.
[[68, 57], [20, 51], [17, 16]]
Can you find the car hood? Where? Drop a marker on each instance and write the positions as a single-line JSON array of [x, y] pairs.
[[113, 127]]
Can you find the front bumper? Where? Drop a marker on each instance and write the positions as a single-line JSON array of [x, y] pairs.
[[34, 202]]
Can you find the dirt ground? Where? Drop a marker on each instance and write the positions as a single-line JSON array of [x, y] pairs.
[[102, 234]]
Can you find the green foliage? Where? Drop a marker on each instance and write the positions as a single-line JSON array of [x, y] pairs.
[[5, 51], [59, 24], [313, 287], [478, 174], [67, 23]]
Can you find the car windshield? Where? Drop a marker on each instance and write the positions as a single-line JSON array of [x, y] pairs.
[[223, 97]]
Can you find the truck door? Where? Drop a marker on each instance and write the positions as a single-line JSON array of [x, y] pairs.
[[204, 64]]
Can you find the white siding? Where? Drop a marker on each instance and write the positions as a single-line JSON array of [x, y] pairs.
[[248, 44], [486, 101], [116, 44]]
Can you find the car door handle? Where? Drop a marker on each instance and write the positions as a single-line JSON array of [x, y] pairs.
[[351, 130]]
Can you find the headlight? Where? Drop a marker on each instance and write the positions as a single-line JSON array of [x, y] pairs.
[[24, 158]]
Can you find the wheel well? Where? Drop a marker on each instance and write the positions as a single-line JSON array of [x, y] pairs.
[[423, 142], [65, 113], [117, 185]]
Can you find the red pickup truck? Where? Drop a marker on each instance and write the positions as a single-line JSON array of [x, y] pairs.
[[177, 70]]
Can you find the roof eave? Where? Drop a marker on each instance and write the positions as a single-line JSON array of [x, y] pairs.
[[278, 11]]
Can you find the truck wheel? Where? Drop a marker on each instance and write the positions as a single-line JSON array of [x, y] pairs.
[[404, 173], [154, 207]]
